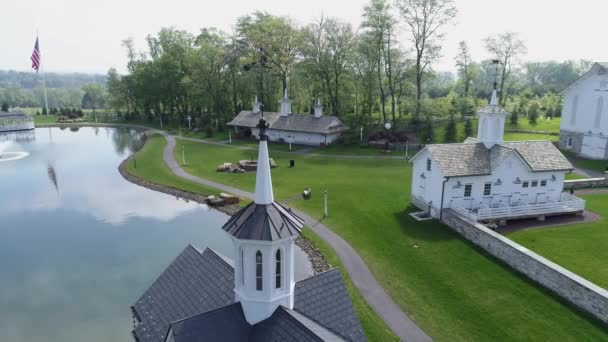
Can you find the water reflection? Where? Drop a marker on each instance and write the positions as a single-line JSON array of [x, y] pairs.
[[80, 244]]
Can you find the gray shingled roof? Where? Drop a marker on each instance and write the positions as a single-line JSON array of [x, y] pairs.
[[266, 222], [194, 283], [325, 124], [228, 324], [324, 299], [197, 292], [472, 158]]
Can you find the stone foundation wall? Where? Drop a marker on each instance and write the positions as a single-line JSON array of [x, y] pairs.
[[571, 287]]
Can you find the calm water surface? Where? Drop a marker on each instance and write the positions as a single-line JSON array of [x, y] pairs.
[[79, 244]]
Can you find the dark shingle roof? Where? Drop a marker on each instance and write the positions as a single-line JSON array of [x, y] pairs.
[[228, 324], [324, 299], [325, 124], [196, 292], [472, 158], [266, 222], [195, 282], [225, 324]]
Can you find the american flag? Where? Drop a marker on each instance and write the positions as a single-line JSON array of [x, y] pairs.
[[36, 57]]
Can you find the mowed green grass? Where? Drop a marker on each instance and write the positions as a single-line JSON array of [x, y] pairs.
[[509, 136], [452, 290], [581, 248], [542, 124]]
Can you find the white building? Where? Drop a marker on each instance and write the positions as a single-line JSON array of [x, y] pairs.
[[15, 121], [489, 179], [584, 127], [285, 126]]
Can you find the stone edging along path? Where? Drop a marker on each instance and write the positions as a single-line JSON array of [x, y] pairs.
[[317, 260]]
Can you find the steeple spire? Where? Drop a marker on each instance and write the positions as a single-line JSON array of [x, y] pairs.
[[263, 179], [285, 104]]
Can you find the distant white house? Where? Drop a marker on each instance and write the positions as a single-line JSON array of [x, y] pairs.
[[287, 127], [584, 127], [15, 121], [488, 179]]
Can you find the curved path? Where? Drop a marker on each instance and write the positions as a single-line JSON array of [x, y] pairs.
[[360, 274]]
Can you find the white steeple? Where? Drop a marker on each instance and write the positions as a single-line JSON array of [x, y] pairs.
[[256, 106], [491, 123], [318, 109], [285, 104], [263, 179], [263, 235]]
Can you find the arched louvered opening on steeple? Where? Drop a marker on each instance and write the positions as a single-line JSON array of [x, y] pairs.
[[277, 272], [258, 271]]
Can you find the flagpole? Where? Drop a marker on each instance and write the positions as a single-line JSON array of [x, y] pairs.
[[46, 101]]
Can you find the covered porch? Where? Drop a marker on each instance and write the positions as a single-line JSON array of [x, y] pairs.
[[567, 204]]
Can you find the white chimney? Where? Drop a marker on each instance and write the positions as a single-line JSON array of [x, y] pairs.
[[256, 105], [318, 109], [285, 104]]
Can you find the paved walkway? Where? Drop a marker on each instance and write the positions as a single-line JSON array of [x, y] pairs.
[[360, 274], [303, 151]]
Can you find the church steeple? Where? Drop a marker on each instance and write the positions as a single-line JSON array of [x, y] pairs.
[[263, 235], [285, 104]]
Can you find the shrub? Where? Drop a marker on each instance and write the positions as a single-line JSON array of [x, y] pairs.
[[209, 131]]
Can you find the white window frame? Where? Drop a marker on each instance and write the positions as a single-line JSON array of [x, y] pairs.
[[569, 142], [534, 184], [525, 184], [487, 191], [428, 164], [543, 182], [469, 188]]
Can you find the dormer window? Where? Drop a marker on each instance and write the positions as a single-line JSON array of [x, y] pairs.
[[278, 270], [258, 271], [428, 164]]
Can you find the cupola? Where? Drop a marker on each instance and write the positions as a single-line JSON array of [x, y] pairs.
[[256, 106], [263, 235], [285, 104], [491, 123], [318, 109]]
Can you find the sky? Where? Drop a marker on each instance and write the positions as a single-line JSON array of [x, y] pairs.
[[85, 36]]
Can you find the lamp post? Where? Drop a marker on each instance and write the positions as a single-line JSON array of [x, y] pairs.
[[189, 118], [229, 135], [325, 206], [361, 134], [184, 155], [387, 127]]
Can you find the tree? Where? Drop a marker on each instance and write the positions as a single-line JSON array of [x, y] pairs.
[[380, 24], [514, 118], [425, 19], [450, 130], [94, 96], [465, 71], [4, 107], [468, 128], [506, 48], [115, 90], [428, 132], [533, 113]]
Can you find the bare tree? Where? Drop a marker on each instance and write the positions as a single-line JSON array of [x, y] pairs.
[[463, 61], [506, 48], [425, 19]]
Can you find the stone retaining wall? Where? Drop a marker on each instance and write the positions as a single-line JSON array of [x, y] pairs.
[[585, 183], [571, 287]]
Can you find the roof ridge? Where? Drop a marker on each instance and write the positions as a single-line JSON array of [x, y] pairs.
[[302, 325], [319, 274], [218, 257], [205, 313]]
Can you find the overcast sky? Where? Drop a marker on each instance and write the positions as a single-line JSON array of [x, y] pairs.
[[85, 36]]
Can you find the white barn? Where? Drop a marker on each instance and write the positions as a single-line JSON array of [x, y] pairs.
[[584, 127], [488, 179], [285, 126]]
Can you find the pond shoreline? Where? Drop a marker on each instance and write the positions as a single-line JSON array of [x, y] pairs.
[[318, 262]]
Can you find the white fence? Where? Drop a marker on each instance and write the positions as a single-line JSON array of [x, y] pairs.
[[566, 204]]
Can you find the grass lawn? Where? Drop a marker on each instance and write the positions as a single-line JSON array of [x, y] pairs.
[[44, 119], [591, 164], [541, 125], [452, 290], [581, 248], [573, 176], [529, 136]]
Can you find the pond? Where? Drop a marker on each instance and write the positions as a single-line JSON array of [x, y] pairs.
[[79, 243]]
